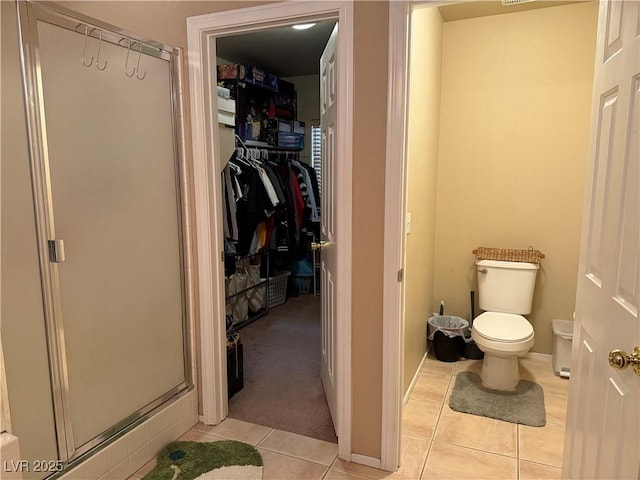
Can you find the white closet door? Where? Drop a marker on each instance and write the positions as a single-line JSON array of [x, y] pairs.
[[328, 256]]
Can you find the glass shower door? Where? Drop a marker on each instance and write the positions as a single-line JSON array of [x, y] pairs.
[[110, 186]]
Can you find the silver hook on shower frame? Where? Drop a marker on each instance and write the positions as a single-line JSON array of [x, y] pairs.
[[84, 48], [136, 69], [98, 56], [138, 64], [126, 64]]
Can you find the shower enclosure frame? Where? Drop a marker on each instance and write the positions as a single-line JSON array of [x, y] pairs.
[[50, 250]]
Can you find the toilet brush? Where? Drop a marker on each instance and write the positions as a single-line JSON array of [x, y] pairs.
[[471, 350], [473, 308]]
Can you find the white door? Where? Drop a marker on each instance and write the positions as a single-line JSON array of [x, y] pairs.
[[328, 255], [603, 423]]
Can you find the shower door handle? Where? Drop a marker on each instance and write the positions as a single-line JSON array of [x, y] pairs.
[[56, 250]]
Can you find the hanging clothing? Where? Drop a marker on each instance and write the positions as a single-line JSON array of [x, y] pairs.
[[307, 175], [269, 201]]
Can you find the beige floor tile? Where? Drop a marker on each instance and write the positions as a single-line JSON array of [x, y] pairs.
[[413, 455], [540, 370], [283, 467], [535, 471], [452, 462], [477, 432], [541, 444], [419, 417], [555, 405], [334, 474], [474, 366], [431, 364], [431, 386], [233, 429], [360, 470], [299, 446]]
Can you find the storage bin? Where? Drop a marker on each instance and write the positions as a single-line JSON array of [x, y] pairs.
[[303, 283], [248, 74], [561, 349], [281, 139], [298, 127], [277, 289]]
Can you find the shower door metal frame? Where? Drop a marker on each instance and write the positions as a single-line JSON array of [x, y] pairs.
[[29, 13]]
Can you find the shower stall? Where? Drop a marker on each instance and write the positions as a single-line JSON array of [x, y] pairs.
[[108, 180]]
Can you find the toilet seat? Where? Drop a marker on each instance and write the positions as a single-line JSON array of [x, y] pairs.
[[503, 327]]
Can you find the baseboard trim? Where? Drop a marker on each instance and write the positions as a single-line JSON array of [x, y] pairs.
[[541, 356], [415, 379], [365, 460]]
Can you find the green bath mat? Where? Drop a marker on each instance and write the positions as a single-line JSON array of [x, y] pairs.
[[226, 459], [524, 405]]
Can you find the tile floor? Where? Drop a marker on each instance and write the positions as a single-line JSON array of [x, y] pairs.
[[437, 442]]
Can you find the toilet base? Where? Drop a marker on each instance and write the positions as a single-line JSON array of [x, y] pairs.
[[500, 373]]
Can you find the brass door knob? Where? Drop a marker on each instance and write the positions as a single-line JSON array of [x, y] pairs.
[[318, 245], [620, 359]]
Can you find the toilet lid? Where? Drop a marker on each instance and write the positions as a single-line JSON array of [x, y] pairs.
[[503, 327]]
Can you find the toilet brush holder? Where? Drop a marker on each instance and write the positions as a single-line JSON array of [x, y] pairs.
[[471, 350]]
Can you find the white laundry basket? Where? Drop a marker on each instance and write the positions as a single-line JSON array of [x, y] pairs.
[[562, 338]]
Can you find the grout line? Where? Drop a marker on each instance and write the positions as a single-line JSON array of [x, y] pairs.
[[358, 475], [478, 450], [289, 455], [518, 450], [426, 458], [265, 437]]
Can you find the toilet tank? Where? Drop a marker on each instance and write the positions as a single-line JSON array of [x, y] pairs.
[[506, 286]]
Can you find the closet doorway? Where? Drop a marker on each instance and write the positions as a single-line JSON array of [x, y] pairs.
[[336, 184], [273, 221]]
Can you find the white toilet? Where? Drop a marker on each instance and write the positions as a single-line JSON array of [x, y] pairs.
[[505, 292]]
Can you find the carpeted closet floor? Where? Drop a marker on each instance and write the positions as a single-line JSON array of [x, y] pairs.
[[282, 386]]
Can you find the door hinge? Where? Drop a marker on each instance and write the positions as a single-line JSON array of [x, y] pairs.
[[56, 250], [400, 275]]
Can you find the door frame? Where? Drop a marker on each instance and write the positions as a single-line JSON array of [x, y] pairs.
[[393, 318], [210, 251]]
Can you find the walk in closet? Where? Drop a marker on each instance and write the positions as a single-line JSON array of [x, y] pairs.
[[270, 198], [271, 221]]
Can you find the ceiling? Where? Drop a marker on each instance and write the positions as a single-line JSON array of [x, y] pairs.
[[283, 51], [480, 8], [289, 53]]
